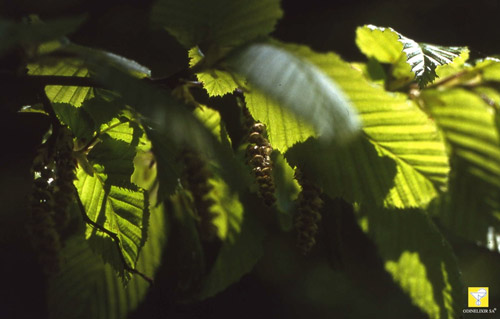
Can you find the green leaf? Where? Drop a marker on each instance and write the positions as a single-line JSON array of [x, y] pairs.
[[284, 128], [397, 128], [78, 120], [86, 287], [287, 190], [119, 210], [221, 22], [237, 257], [383, 44], [211, 119], [102, 111], [299, 86], [13, 33], [168, 166], [215, 82], [424, 58], [227, 209], [355, 172], [380, 43], [468, 123], [419, 259], [114, 158], [74, 95]]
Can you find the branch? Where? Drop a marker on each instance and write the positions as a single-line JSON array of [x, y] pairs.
[[44, 80]]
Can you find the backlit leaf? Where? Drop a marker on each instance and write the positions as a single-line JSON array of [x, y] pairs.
[[298, 86], [398, 130], [419, 259], [222, 22]]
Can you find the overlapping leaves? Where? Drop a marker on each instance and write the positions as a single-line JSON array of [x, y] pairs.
[[86, 287], [468, 124], [387, 46], [397, 130], [219, 22], [298, 86], [419, 259]]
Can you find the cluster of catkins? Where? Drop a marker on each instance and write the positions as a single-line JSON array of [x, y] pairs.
[[196, 177], [259, 158], [54, 171], [308, 215]]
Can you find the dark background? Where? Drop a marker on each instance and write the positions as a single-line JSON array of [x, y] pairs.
[[306, 288]]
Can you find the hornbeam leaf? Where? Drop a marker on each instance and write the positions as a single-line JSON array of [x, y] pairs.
[[215, 82], [425, 58], [355, 172], [121, 211], [239, 253], [284, 128], [419, 259], [379, 43], [13, 33], [74, 95], [298, 86], [468, 123], [222, 22], [169, 118], [86, 287], [77, 119], [398, 130], [384, 43], [102, 111]]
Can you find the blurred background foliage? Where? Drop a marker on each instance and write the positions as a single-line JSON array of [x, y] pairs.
[[344, 281]]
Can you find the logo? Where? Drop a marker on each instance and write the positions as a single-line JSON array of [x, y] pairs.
[[478, 297]]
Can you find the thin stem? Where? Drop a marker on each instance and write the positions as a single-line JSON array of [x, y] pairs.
[[113, 236]]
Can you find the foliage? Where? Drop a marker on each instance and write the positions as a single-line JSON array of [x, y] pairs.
[[408, 140]]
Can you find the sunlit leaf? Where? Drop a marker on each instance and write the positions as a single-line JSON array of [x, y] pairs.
[[283, 127], [74, 95], [468, 123], [397, 128], [111, 200], [355, 172], [227, 209], [101, 111], [419, 259], [79, 121], [298, 86], [222, 22], [380, 43], [216, 82], [237, 257], [287, 190], [384, 44], [86, 287]]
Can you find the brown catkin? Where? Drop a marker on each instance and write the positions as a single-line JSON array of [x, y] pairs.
[[258, 154], [196, 176], [42, 227], [53, 191], [308, 215], [66, 166]]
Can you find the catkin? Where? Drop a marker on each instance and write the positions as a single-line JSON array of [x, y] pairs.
[[308, 215], [53, 191], [196, 176], [258, 154], [66, 166], [42, 227]]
